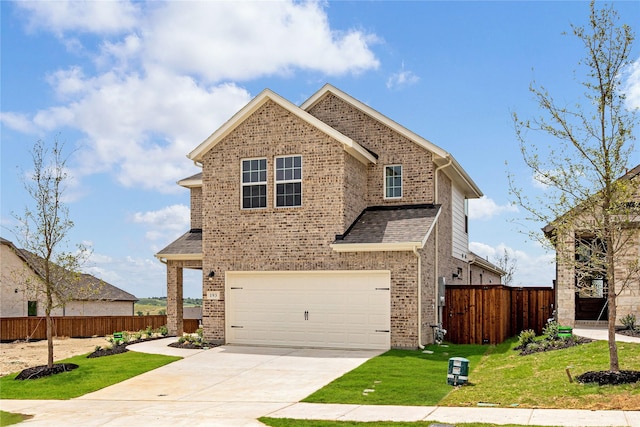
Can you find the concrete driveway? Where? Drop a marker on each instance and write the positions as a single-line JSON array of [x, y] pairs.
[[224, 386]]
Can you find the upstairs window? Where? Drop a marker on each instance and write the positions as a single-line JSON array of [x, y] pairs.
[[288, 181], [393, 182], [254, 183]]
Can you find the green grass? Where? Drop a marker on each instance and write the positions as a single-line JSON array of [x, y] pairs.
[[399, 377], [540, 380], [285, 422], [500, 377], [9, 418], [91, 375]]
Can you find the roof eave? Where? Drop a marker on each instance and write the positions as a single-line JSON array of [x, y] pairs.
[[179, 257]]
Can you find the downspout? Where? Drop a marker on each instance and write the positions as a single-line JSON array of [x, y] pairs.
[[415, 251], [437, 257]]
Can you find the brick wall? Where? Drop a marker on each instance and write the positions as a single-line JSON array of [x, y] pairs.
[[196, 207], [391, 147]]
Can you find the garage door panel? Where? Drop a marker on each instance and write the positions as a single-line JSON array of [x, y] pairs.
[[309, 309]]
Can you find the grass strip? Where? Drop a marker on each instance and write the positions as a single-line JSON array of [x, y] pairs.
[[9, 418], [505, 378], [399, 377], [91, 375], [286, 422]]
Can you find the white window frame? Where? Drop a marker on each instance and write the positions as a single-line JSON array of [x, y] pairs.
[[253, 183], [386, 187], [286, 181]]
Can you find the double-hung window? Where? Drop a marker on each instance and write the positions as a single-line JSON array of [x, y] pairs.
[[393, 182], [254, 183], [288, 181]]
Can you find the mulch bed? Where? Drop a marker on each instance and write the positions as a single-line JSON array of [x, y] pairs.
[[609, 377], [193, 346], [554, 345], [43, 371]]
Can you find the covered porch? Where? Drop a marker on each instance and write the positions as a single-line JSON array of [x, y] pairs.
[[184, 252]]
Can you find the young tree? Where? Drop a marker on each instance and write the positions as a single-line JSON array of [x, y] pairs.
[[588, 206], [509, 264], [42, 232]]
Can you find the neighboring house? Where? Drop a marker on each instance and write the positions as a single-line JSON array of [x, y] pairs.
[[22, 289], [484, 272], [323, 225], [581, 296]]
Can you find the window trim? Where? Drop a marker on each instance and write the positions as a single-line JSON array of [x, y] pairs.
[[249, 184], [286, 181], [384, 174]]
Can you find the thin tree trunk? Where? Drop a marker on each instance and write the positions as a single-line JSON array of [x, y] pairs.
[[49, 340]]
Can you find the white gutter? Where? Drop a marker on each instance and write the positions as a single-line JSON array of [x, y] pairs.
[[436, 266], [415, 251]]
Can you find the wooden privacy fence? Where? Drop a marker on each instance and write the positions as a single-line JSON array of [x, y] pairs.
[[19, 328], [489, 314]]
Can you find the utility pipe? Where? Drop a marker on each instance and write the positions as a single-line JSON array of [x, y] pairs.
[[437, 250]]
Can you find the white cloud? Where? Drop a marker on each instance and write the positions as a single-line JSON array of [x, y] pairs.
[[486, 208], [19, 122], [531, 269], [402, 78], [164, 224], [246, 40], [90, 17], [162, 80], [631, 85]]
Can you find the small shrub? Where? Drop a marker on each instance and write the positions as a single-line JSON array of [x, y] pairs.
[[163, 330], [149, 331], [526, 337], [629, 321], [551, 330], [98, 348]]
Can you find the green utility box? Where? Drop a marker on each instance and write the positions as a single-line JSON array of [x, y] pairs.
[[118, 337], [565, 331], [458, 371]]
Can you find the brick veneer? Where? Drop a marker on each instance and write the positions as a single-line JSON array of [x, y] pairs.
[[336, 188]]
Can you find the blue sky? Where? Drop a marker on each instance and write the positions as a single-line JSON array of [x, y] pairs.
[[132, 87]]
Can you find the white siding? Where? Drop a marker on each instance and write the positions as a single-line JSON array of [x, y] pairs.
[[460, 245]]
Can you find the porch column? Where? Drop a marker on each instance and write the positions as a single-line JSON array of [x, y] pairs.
[[174, 299]]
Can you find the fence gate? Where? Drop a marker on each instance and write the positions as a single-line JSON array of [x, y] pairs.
[[489, 314]]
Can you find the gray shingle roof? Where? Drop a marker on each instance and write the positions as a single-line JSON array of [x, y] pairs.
[[79, 287], [189, 243], [391, 224]]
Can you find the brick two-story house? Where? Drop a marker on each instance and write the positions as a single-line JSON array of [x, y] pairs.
[[581, 288], [322, 225]]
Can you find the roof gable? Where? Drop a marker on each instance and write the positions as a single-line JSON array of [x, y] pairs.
[[441, 157], [266, 95], [86, 287]]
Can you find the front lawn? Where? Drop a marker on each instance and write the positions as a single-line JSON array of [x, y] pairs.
[[91, 375], [499, 376], [540, 380], [399, 377]]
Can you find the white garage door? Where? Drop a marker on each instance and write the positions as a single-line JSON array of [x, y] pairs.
[[331, 309]]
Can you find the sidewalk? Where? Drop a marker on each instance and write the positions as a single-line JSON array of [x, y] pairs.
[[452, 415]]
